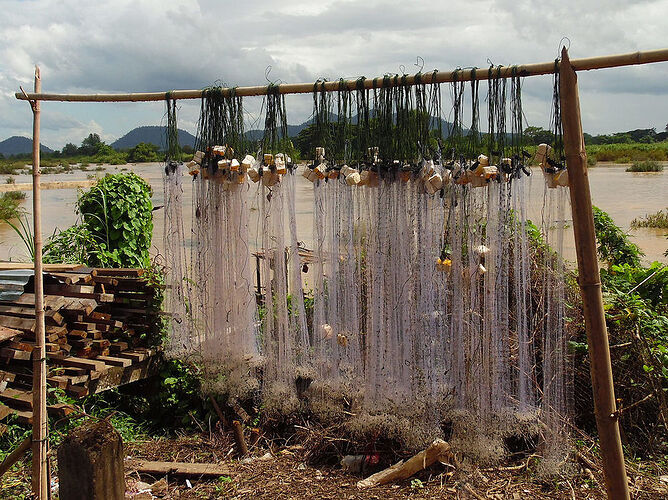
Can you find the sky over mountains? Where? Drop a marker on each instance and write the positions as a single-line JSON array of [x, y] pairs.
[[151, 45]]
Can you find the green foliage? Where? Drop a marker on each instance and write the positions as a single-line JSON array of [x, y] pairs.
[[538, 135], [118, 214], [69, 149], [636, 309], [9, 205], [25, 233], [115, 229], [143, 152], [613, 244], [91, 145], [645, 166], [657, 220], [74, 245]]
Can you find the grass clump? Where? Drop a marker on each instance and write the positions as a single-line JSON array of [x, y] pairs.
[[657, 220], [645, 166]]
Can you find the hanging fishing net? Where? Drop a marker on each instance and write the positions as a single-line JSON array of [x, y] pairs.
[[429, 304]]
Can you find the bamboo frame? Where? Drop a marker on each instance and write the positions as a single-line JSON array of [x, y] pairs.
[[40, 482], [535, 69], [585, 239], [589, 280]]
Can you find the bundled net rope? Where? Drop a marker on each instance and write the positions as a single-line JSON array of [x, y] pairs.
[[223, 314], [285, 340], [176, 293]]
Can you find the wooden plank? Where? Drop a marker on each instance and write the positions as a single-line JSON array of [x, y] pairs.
[[23, 324], [11, 266], [16, 399], [182, 469], [51, 316], [118, 347], [21, 345], [4, 411], [8, 333], [105, 280], [64, 292], [114, 361], [134, 356], [76, 362], [73, 278], [28, 299], [117, 272], [7, 353]]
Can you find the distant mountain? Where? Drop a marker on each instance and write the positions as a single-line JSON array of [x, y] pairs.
[[17, 145], [153, 134]]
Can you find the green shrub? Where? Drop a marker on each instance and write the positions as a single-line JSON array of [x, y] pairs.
[[614, 245], [645, 166], [115, 229], [118, 213]]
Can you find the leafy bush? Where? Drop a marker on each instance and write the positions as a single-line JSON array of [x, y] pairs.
[[143, 152], [645, 166], [115, 229], [118, 213], [613, 244], [636, 311]]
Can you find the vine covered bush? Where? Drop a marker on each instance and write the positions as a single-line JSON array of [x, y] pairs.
[[115, 229]]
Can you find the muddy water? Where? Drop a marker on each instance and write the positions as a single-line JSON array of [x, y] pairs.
[[622, 194]]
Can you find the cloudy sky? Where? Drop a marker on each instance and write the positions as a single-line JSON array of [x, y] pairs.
[[157, 45]]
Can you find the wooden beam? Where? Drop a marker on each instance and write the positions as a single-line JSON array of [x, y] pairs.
[[183, 469], [610, 61], [589, 280]]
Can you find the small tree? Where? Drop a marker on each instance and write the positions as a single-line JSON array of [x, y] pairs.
[[69, 149], [91, 145], [143, 152]]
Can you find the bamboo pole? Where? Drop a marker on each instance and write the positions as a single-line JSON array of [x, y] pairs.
[[40, 484], [610, 61], [590, 285]]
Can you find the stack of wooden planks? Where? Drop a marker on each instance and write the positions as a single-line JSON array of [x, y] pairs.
[[99, 323]]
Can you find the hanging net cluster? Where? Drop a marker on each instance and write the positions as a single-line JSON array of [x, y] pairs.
[[429, 303]]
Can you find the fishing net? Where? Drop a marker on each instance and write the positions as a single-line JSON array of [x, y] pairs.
[[176, 291], [223, 313], [430, 304]]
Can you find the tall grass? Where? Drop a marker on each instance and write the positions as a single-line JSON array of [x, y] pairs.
[[657, 220]]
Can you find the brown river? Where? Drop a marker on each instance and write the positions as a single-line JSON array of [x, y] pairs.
[[623, 195]]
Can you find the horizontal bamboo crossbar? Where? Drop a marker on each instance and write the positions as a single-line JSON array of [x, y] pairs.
[[523, 70]]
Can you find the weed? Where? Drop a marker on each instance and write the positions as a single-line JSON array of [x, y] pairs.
[[657, 220]]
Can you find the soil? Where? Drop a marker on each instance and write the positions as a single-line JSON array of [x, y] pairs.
[[284, 474], [272, 472]]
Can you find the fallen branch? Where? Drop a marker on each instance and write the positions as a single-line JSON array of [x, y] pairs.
[[439, 451], [15, 455]]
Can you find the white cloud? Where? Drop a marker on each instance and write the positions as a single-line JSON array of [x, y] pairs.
[[150, 45]]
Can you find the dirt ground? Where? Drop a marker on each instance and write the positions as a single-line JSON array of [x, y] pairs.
[[272, 472], [284, 474]]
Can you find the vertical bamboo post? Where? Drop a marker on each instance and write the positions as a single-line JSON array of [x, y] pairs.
[[590, 285], [40, 482]]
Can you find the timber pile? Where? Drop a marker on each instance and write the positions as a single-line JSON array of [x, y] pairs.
[[97, 325]]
